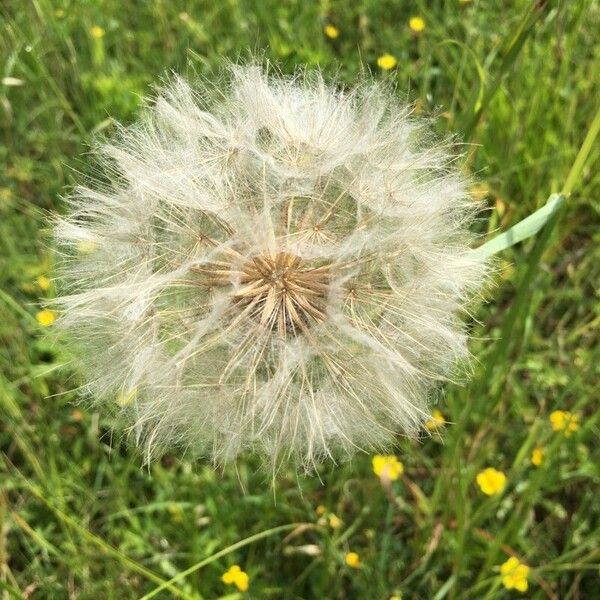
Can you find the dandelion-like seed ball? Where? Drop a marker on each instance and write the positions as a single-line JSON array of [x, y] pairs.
[[270, 263]]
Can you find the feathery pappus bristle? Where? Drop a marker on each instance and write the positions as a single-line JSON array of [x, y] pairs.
[[272, 264]]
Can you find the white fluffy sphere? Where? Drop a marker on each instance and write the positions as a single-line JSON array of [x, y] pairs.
[[270, 264]]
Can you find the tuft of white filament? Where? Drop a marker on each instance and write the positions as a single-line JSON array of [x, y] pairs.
[[272, 264]]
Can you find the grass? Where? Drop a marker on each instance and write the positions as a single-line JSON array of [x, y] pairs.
[[79, 518]]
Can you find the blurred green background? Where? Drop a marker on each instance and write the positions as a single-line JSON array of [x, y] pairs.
[[517, 82]]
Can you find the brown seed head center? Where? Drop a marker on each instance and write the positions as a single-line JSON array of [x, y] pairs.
[[283, 292]]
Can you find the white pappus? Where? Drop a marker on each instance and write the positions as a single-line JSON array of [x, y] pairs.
[[271, 263]]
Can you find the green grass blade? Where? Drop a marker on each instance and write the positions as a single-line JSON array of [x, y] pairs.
[[526, 228], [9, 589], [510, 51], [219, 554], [583, 154], [105, 547]]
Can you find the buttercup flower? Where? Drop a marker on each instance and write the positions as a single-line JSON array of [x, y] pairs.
[[276, 265], [86, 246], [563, 420], [352, 560], [43, 283], [386, 62], [388, 465], [331, 31], [235, 576], [97, 32], [46, 317], [125, 398], [437, 420], [334, 521], [537, 456], [491, 481], [417, 24], [514, 575]]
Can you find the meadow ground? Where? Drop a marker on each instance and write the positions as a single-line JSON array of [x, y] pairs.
[[79, 518]]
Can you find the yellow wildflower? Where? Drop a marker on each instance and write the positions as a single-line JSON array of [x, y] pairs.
[[60, 13], [97, 32], [437, 420], [537, 456], [491, 481], [320, 510], [563, 420], [126, 398], [500, 207], [389, 465], [45, 317], [417, 24], [235, 576], [386, 62], [331, 31], [43, 283], [86, 247], [353, 560], [334, 521], [514, 575]]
